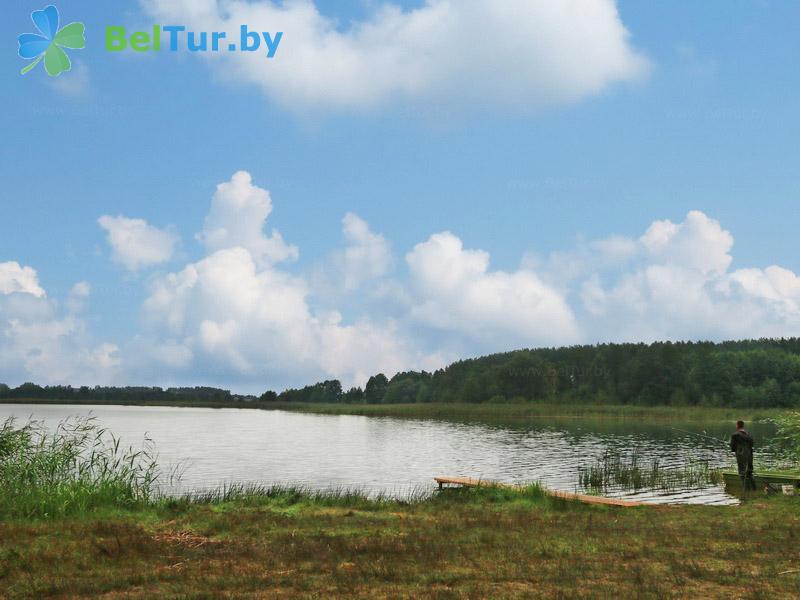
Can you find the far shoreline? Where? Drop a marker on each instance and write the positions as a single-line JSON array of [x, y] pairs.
[[512, 411]]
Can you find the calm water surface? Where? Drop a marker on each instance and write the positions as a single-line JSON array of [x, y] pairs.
[[395, 456]]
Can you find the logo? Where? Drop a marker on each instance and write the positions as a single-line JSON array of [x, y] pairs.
[[117, 40], [51, 43]]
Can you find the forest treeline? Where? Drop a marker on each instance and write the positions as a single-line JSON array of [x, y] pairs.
[[753, 373], [118, 395]]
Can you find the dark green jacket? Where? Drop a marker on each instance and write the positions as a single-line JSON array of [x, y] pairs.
[[742, 444]]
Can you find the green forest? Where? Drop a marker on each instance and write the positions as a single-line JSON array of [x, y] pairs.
[[118, 395], [753, 373]]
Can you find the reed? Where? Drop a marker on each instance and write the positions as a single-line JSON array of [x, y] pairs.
[[73, 468], [522, 411], [615, 471]]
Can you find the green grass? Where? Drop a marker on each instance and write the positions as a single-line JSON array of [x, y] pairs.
[[477, 543]]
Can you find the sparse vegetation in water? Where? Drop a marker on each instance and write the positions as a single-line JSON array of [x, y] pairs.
[[615, 471], [74, 468]]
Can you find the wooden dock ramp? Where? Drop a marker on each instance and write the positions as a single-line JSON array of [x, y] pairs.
[[469, 482]]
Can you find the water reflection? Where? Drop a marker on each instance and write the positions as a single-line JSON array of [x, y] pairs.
[[389, 455]]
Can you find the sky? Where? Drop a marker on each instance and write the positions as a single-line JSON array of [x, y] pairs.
[[404, 184]]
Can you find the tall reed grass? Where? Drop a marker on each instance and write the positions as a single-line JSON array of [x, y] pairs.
[[614, 471], [73, 468]]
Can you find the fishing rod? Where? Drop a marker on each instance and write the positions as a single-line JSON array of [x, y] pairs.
[[702, 435]]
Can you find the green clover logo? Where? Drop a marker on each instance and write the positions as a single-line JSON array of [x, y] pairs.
[[49, 44]]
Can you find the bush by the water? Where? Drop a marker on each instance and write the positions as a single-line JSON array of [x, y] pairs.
[[73, 468]]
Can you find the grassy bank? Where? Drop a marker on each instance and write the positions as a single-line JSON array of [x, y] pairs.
[[535, 410], [460, 544], [477, 412]]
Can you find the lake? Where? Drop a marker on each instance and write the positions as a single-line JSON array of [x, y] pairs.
[[394, 456]]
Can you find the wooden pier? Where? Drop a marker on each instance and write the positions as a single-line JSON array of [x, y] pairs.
[[469, 482]]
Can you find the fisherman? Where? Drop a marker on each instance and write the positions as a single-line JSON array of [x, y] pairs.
[[742, 445]]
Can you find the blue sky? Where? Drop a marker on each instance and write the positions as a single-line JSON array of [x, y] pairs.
[[707, 122]]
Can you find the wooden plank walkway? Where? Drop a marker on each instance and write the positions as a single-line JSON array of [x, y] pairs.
[[469, 482]]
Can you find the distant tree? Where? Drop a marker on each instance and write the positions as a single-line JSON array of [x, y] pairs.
[[711, 376], [404, 388], [376, 389], [331, 392], [355, 395], [29, 390], [269, 396], [326, 392], [403, 391], [424, 393], [4, 390], [472, 391]]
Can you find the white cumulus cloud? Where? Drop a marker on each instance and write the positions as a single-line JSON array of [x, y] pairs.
[[239, 212], [456, 291], [239, 316], [16, 278], [256, 322], [135, 244], [697, 243], [38, 342], [238, 312], [682, 287], [366, 256], [508, 54]]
